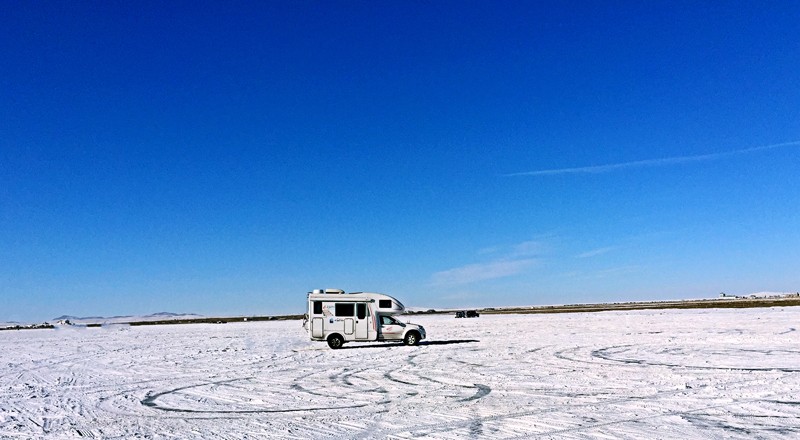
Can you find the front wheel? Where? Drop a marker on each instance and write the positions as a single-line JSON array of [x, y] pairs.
[[412, 338], [335, 341]]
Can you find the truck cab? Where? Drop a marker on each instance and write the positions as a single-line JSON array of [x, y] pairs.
[[338, 317]]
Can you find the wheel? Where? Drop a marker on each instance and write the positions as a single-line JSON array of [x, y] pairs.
[[412, 338], [335, 341]]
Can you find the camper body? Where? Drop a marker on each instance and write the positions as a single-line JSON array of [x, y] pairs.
[[338, 317]]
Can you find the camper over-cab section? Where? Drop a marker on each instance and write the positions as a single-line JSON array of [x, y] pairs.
[[384, 304], [338, 317]]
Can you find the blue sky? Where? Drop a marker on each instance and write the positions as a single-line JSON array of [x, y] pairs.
[[227, 157]]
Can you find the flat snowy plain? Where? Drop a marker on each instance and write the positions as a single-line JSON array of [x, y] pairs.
[[640, 374]]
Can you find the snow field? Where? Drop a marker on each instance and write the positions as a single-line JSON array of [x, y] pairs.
[[640, 374]]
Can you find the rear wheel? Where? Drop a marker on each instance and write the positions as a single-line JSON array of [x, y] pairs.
[[412, 338], [335, 341]]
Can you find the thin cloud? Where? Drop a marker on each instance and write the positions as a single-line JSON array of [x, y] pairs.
[[596, 252], [507, 261], [650, 162], [603, 273], [528, 248], [524, 249], [481, 271]]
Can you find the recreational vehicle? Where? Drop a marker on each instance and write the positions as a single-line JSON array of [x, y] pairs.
[[338, 317]]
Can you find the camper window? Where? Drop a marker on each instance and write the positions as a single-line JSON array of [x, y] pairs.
[[345, 309], [385, 304], [317, 307], [361, 310]]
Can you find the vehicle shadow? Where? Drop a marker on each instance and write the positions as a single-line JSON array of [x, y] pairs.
[[400, 344]]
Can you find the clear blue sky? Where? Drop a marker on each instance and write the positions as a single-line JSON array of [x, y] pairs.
[[227, 157]]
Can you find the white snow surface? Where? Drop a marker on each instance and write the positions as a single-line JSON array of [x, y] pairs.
[[636, 374]]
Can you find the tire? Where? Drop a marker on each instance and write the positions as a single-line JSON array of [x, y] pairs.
[[335, 341], [412, 338]]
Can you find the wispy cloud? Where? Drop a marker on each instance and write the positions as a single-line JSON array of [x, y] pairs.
[[481, 271], [507, 260], [596, 252], [528, 248], [603, 273], [651, 162]]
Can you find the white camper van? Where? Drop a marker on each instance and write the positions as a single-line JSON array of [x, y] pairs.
[[339, 317]]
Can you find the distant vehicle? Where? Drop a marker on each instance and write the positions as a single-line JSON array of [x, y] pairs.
[[467, 314], [461, 314], [338, 317]]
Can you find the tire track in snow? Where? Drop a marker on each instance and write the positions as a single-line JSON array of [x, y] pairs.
[[604, 354], [429, 430]]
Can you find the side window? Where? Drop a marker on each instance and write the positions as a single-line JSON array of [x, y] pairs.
[[361, 311], [385, 303], [345, 309], [317, 307]]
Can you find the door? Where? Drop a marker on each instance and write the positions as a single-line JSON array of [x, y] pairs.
[[348, 326], [362, 321], [316, 327], [390, 329]]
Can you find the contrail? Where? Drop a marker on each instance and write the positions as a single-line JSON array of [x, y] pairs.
[[650, 162]]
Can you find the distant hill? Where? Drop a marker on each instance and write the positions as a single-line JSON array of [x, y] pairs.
[[161, 316]]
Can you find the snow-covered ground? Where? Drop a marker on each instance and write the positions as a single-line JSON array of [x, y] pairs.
[[640, 374]]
